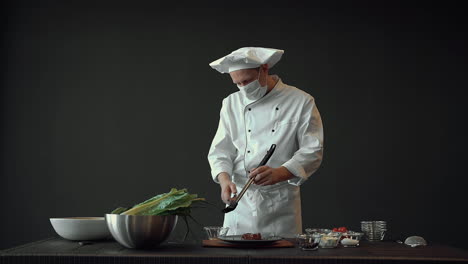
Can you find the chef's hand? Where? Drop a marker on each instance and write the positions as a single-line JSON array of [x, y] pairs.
[[227, 187], [265, 175]]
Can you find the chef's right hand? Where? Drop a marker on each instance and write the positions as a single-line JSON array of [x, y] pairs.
[[228, 188]]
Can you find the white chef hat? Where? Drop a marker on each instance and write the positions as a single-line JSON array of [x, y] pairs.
[[247, 58]]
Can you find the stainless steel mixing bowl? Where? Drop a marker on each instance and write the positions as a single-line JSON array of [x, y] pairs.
[[140, 231]]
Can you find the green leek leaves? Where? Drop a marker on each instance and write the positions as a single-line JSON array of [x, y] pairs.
[[175, 202]]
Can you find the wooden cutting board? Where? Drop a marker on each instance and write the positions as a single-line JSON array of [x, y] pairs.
[[220, 243]]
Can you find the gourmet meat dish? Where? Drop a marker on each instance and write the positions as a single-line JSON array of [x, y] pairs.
[[250, 236]]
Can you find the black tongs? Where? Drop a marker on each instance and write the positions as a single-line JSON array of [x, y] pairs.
[[235, 200]]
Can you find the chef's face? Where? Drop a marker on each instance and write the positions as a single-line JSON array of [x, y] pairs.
[[246, 76]]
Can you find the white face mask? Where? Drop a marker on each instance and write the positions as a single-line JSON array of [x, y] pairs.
[[253, 90]]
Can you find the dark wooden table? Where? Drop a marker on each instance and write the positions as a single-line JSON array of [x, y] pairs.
[[57, 250]]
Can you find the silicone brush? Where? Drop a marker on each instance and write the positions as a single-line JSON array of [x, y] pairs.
[[235, 200]]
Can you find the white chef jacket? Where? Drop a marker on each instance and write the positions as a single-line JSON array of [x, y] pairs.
[[287, 117]]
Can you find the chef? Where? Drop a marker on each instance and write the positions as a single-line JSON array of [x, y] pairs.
[[263, 112]]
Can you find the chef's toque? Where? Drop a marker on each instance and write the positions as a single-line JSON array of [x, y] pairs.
[[247, 58]]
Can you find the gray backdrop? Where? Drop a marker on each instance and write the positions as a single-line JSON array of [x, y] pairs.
[[108, 104]]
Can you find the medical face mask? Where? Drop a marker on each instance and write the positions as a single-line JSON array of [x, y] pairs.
[[253, 90]]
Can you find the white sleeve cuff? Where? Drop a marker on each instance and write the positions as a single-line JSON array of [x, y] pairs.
[[297, 170], [218, 169]]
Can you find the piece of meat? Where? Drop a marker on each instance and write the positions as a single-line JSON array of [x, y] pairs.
[[250, 236]]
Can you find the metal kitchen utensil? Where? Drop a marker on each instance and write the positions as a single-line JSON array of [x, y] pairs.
[[374, 230], [233, 203], [140, 231]]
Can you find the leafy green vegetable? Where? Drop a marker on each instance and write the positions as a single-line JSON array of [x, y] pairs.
[[119, 210], [175, 202]]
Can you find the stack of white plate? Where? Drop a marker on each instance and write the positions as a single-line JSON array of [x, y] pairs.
[[374, 230]]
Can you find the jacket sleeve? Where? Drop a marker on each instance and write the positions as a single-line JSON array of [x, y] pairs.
[[307, 159], [222, 152]]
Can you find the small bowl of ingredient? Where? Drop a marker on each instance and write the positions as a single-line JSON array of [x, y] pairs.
[[311, 231], [213, 232], [351, 239], [308, 241], [330, 240], [342, 229]]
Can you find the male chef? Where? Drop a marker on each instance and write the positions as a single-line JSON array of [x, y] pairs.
[[263, 112]]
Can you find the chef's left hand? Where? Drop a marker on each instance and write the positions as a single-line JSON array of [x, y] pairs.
[[265, 175]]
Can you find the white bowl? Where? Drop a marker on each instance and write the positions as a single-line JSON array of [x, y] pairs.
[[81, 228]]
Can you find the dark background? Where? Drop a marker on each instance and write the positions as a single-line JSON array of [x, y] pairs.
[[109, 103]]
